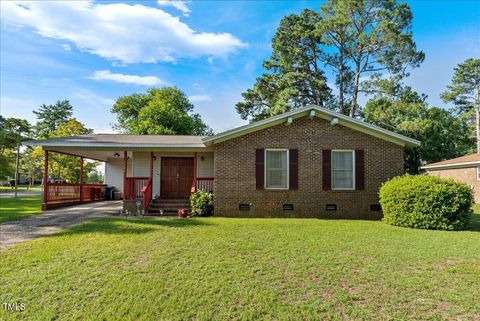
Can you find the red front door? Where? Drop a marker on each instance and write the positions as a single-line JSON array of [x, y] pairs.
[[177, 176]]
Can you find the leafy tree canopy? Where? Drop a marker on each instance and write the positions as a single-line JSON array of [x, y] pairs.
[[64, 166], [294, 76], [71, 127], [443, 135], [368, 37], [464, 92], [49, 117], [12, 132], [159, 111], [355, 39]]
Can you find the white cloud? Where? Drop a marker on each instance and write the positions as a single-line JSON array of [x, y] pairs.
[[18, 108], [66, 47], [119, 32], [177, 4], [199, 98], [86, 97], [127, 79]]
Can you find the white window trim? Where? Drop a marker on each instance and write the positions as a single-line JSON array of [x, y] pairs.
[[478, 172], [353, 170], [265, 169]]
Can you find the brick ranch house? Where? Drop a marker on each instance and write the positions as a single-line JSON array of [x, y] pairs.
[[464, 169], [310, 162]]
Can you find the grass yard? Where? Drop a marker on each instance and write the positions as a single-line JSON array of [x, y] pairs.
[[16, 209], [244, 269], [9, 189]]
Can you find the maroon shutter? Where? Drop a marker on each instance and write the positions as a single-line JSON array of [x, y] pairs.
[[359, 169], [293, 168], [327, 169], [259, 168]]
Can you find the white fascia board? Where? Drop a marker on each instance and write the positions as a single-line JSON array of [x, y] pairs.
[[322, 113], [110, 145], [451, 166], [245, 129]]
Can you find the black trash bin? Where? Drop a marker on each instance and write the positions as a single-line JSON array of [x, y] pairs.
[[109, 192]]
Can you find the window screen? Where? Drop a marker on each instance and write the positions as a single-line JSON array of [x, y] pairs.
[[276, 168], [342, 170]]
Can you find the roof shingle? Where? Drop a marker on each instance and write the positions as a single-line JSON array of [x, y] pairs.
[[463, 160]]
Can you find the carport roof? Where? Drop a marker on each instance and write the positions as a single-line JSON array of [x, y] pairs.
[[121, 141]]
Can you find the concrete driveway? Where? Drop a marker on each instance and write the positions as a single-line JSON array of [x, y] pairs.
[[54, 221]]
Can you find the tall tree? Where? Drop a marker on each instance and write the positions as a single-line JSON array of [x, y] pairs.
[[402, 110], [160, 111], [464, 91], [49, 117], [368, 37], [12, 132], [31, 164], [294, 76], [67, 167]]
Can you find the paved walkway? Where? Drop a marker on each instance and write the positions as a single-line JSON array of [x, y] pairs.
[[54, 221]]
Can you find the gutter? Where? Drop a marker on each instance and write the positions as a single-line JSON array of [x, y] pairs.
[[455, 165]]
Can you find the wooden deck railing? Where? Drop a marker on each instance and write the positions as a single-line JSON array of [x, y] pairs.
[[139, 188], [134, 187], [65, 192], [205, 183], [147, 194]]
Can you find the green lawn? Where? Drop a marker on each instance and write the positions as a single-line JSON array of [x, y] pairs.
[[15, 209], [247, 269], [9, 189]]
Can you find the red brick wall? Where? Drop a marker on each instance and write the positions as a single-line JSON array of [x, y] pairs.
[[235, 171], [466, 175]]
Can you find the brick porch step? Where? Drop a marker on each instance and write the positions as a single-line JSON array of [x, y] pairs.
[[168, 206]]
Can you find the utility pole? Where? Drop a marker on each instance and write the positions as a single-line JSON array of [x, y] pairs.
[[16, 168]]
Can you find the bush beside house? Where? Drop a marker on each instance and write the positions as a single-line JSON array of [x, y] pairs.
[[426, 202], [202, 203]]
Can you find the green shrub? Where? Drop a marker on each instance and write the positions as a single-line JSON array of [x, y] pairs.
[[202, 203], [426, 202]]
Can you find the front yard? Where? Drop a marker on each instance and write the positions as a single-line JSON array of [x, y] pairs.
[[15, 209], [249, 269]]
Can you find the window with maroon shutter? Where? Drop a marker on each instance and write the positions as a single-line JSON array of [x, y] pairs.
[[259, 168], [276, 168], [359, 169], [343, 169], [327, 169], [293, 168]]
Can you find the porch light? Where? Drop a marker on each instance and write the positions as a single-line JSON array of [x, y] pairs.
[[116, 155], [311, 114], [289, 120], [334, 121]]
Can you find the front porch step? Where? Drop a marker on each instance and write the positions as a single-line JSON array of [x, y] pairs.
[[170, 200], [168, 206]]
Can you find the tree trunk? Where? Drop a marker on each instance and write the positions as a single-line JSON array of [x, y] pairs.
[[340, 85], [477, 125], [355, 91]]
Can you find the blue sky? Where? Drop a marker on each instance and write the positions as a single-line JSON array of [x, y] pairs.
[[92, 53]]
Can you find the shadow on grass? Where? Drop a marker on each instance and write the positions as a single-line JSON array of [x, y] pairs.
[[474, 224], [12, 209], [126, 226]]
